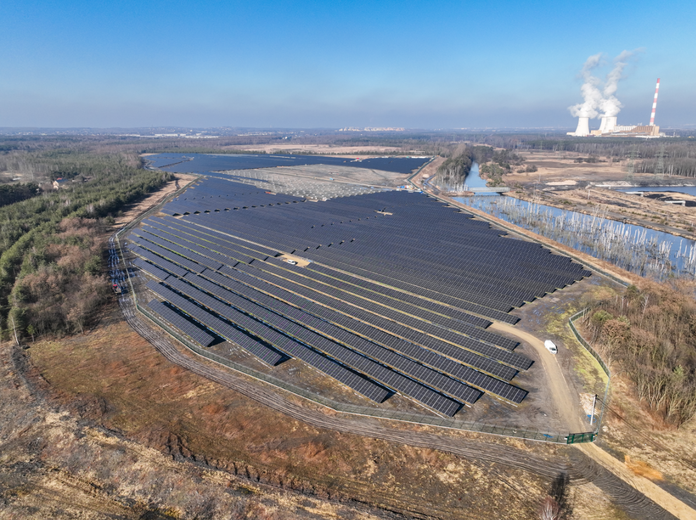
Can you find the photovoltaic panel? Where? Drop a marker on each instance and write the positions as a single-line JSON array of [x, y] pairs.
[[364, 365], [168, 255], [405, 314], [200, 245], [422, 301], [393, 271], [443, 364], [159, 261], [283, 343], [225, 330], [182, 249], [181, 323], [441, 340], [151, 269], [331, 331]]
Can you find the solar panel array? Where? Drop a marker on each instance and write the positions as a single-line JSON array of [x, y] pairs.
[[396, 297], [180, 322], [316, 341], [151, 269], [210, 163], [215, 195], [229, 290], [213, 322], [283, 343]]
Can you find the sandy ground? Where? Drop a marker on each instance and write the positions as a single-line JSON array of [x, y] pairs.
[[561, 166], [430, 169], [672, 500], [320, 173], [556, 384], [646, 486], [133, 210]]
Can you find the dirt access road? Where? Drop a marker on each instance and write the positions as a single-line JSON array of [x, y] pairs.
[[568, 408], [132, 211], [475, 450], [565, 403]]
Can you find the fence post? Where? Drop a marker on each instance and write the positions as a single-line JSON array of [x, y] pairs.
[[599, 359], [321, 400]]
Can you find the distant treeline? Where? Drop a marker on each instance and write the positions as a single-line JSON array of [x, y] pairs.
[[11, 193], [49, 244], [679, 154], [493, 164]]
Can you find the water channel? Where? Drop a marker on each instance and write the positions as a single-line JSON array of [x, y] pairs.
[[637, 249], [690, 190]]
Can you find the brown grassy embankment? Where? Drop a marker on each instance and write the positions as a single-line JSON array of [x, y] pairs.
[[116, 379]]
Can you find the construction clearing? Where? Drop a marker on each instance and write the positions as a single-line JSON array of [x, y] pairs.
[[389, 293]]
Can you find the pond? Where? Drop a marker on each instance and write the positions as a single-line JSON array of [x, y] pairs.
[[637, 249], [689, 190]]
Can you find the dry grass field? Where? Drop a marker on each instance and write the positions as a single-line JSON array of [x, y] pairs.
[[117, 380]]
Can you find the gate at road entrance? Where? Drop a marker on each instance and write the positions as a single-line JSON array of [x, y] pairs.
[[574, 438]]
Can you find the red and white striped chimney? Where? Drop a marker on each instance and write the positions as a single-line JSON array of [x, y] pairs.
[[652, 116]]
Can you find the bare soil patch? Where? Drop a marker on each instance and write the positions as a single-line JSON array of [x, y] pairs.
[[163, 406], [561, 166], [133, 210]]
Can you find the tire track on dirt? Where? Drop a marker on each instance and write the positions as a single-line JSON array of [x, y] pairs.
[[579, 467]]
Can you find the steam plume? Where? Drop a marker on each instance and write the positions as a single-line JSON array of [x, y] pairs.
[[590, 90], [602, 100], [610, 106]]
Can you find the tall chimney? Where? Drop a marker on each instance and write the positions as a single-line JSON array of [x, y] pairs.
[[583, 128], [652, 116]]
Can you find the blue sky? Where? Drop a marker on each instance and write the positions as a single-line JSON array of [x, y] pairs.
[[308, 64]]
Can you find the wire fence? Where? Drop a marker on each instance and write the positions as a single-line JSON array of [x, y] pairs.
[[595, 354], [365, 411], [338, 407]]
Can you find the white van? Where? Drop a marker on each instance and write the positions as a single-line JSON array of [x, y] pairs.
[[551, 346]]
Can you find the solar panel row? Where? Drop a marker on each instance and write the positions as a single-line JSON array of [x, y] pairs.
[[422, 355], [151, 269], [227, 290], [424, 300], [437, 338], [167, 254], [364, 365], [405, 311], [177, 248], [192, 331], [268, 237], [334, 226], [218, 236], [158, 260], [206, 248], [357, 295], [215, 324]]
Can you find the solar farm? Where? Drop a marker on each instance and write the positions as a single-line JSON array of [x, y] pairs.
[[385, 293]]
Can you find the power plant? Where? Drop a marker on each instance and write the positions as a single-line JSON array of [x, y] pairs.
[[609, 126], [600, 101]]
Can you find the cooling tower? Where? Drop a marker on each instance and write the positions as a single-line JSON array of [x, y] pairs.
[[583, 128], [608, 125]]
